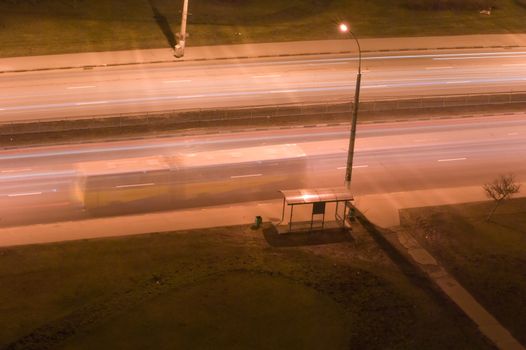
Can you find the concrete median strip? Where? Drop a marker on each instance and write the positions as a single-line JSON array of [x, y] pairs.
[[272, 114]]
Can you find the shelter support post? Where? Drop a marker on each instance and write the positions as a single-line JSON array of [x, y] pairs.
[[290, 220]]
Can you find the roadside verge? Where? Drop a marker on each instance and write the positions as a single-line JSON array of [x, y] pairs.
[[261, 50]]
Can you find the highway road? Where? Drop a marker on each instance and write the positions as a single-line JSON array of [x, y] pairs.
[[234, 83], [54, 183]]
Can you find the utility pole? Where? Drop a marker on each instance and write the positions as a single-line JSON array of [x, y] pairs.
[[350, 155], [179, 48]]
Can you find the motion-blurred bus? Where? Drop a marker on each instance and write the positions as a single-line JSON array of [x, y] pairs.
[[186, 180]]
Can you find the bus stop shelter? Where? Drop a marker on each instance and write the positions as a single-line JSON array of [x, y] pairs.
[[318, 198]]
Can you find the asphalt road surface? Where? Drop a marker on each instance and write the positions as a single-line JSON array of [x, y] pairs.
[[70, 182], [234, 83]]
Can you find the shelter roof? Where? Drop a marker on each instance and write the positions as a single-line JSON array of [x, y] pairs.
[[316, 195]]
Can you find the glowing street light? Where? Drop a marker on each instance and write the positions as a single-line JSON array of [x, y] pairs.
[[344, 28]]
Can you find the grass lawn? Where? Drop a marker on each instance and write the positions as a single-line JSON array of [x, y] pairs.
[[219, 288], [57, 26], [488, 258]]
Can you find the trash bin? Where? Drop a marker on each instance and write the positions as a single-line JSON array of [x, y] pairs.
[[258, 222]]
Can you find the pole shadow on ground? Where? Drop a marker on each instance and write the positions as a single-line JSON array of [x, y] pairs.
[[163, 24]]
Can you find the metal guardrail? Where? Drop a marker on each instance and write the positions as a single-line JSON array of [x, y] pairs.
[[170, 118]]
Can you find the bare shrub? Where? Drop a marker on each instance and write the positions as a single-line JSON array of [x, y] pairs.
[[501, 189]]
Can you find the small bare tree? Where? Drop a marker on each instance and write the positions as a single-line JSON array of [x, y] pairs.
[[502, 188]]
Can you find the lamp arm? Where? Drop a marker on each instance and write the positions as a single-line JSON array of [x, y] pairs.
[[359, 52]]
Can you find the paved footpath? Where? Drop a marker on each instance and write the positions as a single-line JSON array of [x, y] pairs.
[[201, 53], [381, 209]]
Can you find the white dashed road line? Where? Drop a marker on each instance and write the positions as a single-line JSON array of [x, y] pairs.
[[81, 87], [24, 194], [15, 170], [90, 103], [176, 81], [267, 76], [190, 96], [354, 167], [282, 91], [374, 86], [241, 176], [451, 159], [475, 57], [136, 185]]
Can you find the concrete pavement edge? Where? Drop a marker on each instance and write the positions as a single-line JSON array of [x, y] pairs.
[[91, 60]]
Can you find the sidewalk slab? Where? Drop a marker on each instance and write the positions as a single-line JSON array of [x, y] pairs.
[[239, 214], [166, 221], [382, 209], [258, 50]]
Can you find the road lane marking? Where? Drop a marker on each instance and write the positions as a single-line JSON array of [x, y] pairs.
[[475, 57], [282, 91], [267, 76], [191, 96], [445, 67], [374, 86], [176, 81], [514, 64], [241, 176], [15, 170], [513, 133], [425, 140], [81, 87], [1, 109], [354, 167], [34, 175], [90, 103], [239, 93], [458, 82], [24, 194], [451, 159], [136, 185], [327, 63], [50, 205]]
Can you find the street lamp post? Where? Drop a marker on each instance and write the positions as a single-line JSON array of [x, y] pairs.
[[179, 48], [344, 28]]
